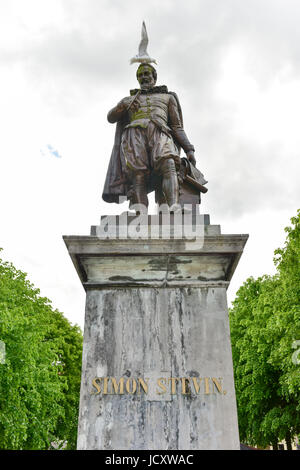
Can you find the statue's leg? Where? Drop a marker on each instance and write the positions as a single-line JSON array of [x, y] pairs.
[[140, 192], [134, 148], [165, 157], [170, 184]]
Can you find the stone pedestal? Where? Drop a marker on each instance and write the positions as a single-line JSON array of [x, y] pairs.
[[157, 366]]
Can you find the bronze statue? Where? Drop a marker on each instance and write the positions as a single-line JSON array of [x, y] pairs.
[[149, 136]]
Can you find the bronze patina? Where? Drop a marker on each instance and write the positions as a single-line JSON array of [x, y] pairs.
[[146, 152]]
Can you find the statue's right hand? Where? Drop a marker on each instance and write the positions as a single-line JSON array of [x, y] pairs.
[[127, 102], [118, 111], [122, 106]]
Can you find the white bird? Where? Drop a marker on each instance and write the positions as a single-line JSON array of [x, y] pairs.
[[143, 56]]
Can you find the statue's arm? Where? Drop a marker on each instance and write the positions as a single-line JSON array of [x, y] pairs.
[[118, 112], [178, 131]]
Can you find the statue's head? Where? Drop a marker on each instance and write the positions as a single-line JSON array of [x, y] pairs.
[[146, 75]]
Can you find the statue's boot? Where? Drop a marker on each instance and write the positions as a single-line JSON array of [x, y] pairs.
[[170, 185], [140, 193]]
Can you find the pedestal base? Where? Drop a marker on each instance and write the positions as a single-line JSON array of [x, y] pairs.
[[157, 368]]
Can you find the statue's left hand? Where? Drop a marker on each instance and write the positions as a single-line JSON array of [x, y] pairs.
[[191, 157]]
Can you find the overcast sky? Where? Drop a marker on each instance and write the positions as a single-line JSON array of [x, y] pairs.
[[235, 65]]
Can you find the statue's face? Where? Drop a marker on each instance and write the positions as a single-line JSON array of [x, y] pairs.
[[145, 77]]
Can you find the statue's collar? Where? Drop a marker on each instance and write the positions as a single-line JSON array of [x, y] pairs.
[[156, 89]]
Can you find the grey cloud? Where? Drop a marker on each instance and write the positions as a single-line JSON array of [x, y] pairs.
[[100, 38], [92, 53], [248, 179]]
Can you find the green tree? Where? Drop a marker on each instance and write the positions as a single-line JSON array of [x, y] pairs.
[[265, 328], [40, 376]]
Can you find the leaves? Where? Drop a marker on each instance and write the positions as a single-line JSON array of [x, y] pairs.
[[265, 322], [40, 378]]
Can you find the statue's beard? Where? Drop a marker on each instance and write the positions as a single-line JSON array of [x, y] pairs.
[[146, 85]]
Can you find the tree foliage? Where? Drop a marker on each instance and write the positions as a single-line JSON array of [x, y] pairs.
[[40, 376], [265, 328]]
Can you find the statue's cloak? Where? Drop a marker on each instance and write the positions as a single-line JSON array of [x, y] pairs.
[[117, 183]]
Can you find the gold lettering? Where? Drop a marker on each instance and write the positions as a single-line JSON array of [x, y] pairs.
[[206, 381], [144, 385], [139, 385], [96, 385], [217, 383], [196, 384], [116, 385], [105, 384], [173, 381], [131, 389], [161, 385], [185, 391]]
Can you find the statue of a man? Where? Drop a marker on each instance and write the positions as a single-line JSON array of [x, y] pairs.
[[148, 140]]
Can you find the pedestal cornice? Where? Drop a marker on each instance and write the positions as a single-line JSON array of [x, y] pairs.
[[205, 261]]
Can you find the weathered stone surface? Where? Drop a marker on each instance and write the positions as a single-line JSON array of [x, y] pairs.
[[157, 333], [157, 309], [155, 262]]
